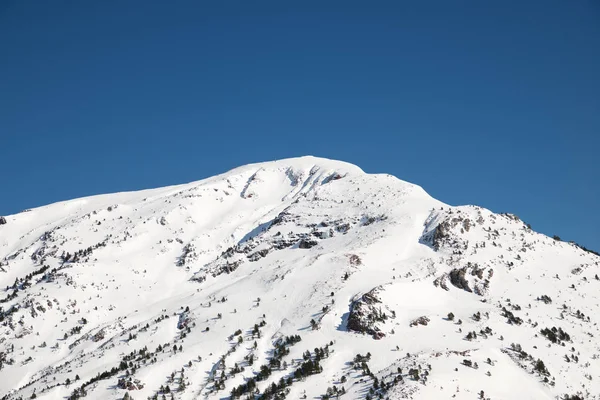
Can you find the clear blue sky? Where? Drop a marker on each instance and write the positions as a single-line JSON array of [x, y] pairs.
[[495, 103]]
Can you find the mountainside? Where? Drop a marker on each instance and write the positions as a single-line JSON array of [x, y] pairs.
[[299, 278]]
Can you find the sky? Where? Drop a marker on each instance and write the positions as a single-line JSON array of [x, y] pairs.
[[494, 103]]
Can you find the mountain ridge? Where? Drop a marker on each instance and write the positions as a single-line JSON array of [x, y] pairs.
[[316, 264]]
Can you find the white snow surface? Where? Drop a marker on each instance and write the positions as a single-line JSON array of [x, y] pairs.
[[269, 247]]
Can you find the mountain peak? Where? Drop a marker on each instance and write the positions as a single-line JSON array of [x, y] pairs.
[[304, 162]]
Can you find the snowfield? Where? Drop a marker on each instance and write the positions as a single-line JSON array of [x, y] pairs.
[[302, 278]]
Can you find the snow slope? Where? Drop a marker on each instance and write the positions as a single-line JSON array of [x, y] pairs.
[[299, 278]]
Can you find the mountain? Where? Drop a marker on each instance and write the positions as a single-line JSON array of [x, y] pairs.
[[299, 278]]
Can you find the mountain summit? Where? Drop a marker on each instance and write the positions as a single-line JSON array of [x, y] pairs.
[[298, 278]]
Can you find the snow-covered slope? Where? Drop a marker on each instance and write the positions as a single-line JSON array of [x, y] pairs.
[[300, 278]]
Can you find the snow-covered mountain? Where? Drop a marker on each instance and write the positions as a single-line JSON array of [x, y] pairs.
[[299, 278]]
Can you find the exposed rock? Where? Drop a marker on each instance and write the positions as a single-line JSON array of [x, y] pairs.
[[188, 255], [457, 278], [307, 243], [354, 260], [365, 314], [423, 320], [184, 320]]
